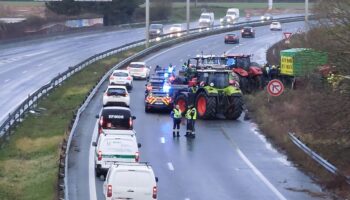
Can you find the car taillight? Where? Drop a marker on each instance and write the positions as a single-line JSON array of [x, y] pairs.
[[101, 120], [149, 87], [99, 155], [106, 94], [137, 157], [128, 68], [129, 78], [109, 191], [242, 31], [154, 196], [111, 78], [126, 95], [130, 122]]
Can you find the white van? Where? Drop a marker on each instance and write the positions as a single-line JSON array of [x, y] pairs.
[[206, 20], [112, 149], [233, 13], [130, 181]]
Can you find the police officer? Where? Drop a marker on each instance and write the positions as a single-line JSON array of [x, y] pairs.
[[176, 115], [191, 116]]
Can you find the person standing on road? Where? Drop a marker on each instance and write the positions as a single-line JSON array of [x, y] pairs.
[[176, 115], [191, 116]]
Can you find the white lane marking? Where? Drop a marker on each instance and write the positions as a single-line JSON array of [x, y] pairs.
[[92, 183], [170, 166], [254, 169], [163, 52], [187, 198], [162, 140], [7, 80], [25, 71]]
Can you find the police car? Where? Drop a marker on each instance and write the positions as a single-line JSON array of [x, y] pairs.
[[158, 99], [116, 95], [131, 181], [115, 119], [112, 149], [121, 77]]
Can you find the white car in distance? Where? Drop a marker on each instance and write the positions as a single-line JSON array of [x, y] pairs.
[[112, 149], [116, 95], [175, 29], [275, 26], [130, 181], [139, 70], [121, 77]]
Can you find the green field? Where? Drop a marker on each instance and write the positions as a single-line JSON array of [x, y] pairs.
[[29, 161]]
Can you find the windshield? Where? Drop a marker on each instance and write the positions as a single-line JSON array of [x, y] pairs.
[[231, 13], [247, 29], [116, 92], [121, 74], [205, 17], [220, 80], [156, 26], [116, 119], [136, 66], [243, 62]]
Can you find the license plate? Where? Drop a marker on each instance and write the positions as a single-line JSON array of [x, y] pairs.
[[158, 103]]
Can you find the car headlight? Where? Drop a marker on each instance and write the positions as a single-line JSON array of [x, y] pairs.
[[221, 20], [262, 17], [229, 19], [158, 31], [267, 17]]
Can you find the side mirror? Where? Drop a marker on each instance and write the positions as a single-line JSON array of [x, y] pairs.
[[157, 179], [139, 145], [94, 144], [97, 116], [133, 117]]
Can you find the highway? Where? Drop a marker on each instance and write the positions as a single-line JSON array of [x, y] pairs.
[[228, 160], [25, 66]]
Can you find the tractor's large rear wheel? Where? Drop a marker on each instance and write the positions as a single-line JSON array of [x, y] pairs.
[[206, 106], [182, 101], [234, 107]]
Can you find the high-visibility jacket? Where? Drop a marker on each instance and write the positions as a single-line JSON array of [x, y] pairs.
[[177, 113], [191, 114]]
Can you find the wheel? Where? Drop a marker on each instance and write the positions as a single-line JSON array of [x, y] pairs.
[[244, 84], [147, 110], [98, 172], [182, 101], [206, 106], [234, 108], [259, 82]]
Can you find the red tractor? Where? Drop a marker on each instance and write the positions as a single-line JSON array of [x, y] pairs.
[[250, 74]]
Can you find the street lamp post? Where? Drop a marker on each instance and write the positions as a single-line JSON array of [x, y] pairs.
[[306, 10], [147, 23], [188, 15], [270, 4]]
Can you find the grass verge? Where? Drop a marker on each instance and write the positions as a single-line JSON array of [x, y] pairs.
[[29, 161]]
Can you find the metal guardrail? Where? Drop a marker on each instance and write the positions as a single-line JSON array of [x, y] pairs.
[[31, 102], [323, 162]]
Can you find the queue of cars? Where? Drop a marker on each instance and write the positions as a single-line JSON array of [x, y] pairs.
[[116, 153]]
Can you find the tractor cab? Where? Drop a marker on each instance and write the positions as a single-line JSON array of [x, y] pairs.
[[238, 61]]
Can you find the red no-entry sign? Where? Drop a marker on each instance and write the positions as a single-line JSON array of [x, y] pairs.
[[275, 87]]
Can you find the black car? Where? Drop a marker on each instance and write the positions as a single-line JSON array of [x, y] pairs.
[[231, 38], [155, 30], [115, 118], [248, 32], [158, 99]]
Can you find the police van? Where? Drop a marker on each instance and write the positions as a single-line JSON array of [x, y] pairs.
[[130, 181], [111, 149]]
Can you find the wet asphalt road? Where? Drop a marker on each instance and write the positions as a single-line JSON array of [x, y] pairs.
[[25, 66], [229, 160]]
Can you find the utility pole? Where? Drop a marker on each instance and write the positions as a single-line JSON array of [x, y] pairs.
[[306, 10], [188, 15], [147, 23], [270, 4]]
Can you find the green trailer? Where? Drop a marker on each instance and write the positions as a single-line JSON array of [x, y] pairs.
[[300, 61]]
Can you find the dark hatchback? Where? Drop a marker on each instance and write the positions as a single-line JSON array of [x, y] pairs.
[[248, 32], [231, 38]]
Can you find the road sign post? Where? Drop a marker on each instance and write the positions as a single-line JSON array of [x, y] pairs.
[[275, 87], [287, 36], [147, 23]]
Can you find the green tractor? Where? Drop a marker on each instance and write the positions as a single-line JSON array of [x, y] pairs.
[[211, 89]]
